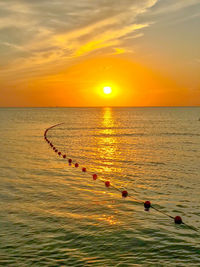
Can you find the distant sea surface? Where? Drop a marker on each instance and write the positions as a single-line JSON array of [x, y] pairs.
[[53, 214]]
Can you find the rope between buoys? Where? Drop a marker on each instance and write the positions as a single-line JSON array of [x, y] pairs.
[[147, 204]]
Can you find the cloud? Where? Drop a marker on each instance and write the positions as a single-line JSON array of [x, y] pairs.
[[35, 34], [173, 6], [108, 38]]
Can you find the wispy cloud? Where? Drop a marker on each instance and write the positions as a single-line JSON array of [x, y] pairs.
[[173, 6], [36, 33], [108, 38]]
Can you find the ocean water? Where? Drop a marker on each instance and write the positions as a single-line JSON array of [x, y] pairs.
[[53, 214]]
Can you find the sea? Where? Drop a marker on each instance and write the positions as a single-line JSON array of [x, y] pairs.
[[54, 214]]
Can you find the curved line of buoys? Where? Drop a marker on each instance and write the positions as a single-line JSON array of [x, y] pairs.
[[147, 204]]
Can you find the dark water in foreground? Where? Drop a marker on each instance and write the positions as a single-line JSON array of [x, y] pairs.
[[52, 214]]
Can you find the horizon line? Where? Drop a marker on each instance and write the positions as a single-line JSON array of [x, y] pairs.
[[100, 106]]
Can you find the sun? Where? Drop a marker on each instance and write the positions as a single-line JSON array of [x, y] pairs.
[[107, 90]]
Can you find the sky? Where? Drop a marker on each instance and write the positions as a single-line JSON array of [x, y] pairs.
[[63, 53]]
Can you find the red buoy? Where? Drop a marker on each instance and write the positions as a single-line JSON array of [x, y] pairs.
[[107, 183], [56, 150], [94, 176], [64, 156], [59, 153], [83, 169], [124, 193], [147, 205], [178, 220], [76, 165], [70, 161]]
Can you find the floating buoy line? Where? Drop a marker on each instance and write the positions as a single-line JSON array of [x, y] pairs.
[[124, 193]]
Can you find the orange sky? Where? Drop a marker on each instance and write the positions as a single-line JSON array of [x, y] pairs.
[[63, 54]]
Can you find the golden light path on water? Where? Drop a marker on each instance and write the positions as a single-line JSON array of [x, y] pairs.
[[107, 143], [107, 148]]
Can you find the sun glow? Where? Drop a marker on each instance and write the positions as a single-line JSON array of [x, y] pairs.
[[107, 90]]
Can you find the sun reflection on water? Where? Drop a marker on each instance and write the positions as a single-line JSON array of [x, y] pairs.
[[107, 143], [108, 120]]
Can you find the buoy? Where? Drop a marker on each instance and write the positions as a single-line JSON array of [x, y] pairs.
[[178, 220], [107, 183], [147, 205], [83, 169], [70, 161], [94, 176], [76, 165], [59, 153], [56, 150], [124, 193], [64, 156]]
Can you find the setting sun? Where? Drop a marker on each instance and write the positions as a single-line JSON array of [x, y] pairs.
[[107, 90]]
